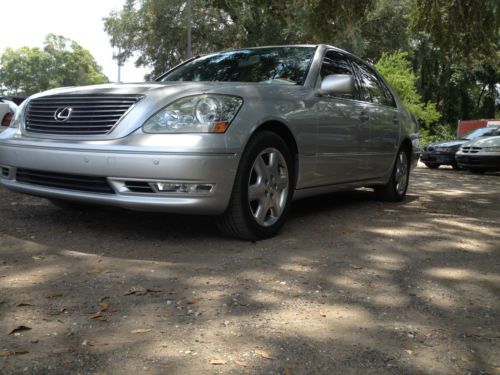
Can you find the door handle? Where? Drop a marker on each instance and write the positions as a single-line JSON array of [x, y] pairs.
[[364, 117]]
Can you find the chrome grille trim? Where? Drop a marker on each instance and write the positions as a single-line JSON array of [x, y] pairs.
[[91, 114]]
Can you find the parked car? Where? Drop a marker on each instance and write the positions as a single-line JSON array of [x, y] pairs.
[[466, 126], [481, 155], [7, 110], [443, 153], [236, 134]]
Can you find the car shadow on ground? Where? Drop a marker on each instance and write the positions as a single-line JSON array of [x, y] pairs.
[[351, 285]]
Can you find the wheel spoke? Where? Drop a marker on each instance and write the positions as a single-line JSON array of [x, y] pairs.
[[260, 167], [256, 192], [282, 183], [261, 212]]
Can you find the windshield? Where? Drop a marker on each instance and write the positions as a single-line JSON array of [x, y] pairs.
[[482, 132], [280, 65]]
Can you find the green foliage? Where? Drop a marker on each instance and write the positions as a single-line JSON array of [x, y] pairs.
[[396, 68], [437, 133], [155, 30], [62, 62]]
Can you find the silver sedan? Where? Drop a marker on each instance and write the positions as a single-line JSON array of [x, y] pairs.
[[237, 134]]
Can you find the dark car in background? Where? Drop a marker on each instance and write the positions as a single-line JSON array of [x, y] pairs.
[[443, 153]]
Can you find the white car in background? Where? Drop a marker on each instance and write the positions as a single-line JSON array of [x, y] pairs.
[[7, 110]]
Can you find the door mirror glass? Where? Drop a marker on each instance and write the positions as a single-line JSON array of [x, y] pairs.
[[337, 84]]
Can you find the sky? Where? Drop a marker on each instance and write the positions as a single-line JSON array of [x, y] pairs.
[[27, 22]]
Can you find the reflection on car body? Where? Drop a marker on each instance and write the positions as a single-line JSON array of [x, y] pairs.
[[236, 134]]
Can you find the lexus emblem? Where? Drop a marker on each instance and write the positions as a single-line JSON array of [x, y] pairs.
[[63, 114]]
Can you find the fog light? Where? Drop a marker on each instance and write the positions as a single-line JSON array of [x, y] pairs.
[[174, 187]]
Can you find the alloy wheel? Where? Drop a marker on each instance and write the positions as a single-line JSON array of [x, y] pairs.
[[268, 187]]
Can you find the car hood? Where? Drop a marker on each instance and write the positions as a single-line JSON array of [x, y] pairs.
[[455, 143], [279, 98], [484, 142]]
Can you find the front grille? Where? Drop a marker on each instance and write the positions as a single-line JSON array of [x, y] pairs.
[[88, 114], [471, 150], [139, 187], [64, 181]]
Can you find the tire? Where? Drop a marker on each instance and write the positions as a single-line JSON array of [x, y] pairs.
[[395, 189], [455, 165], [262, 191], [432, 165]]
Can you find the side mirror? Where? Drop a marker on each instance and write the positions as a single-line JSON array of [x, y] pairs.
[[337, 84]]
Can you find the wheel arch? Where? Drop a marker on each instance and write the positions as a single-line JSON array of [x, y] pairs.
[[287, 135]]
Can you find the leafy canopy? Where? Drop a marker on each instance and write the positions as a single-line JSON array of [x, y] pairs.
[[61, 62], [396, 68]]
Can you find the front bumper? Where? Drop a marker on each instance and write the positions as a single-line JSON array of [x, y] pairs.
[[437, 158], [487, 162], [117, 167]]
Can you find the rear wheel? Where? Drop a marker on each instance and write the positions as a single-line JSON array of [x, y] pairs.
[[262, 190], [395, 189], [432, 165]]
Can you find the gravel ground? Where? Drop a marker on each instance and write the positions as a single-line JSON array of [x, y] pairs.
[[351, 286]]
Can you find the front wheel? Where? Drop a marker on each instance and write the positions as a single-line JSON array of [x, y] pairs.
[[262, 190], [395, 189]]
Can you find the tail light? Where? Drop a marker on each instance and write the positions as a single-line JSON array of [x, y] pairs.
[[7, 119]]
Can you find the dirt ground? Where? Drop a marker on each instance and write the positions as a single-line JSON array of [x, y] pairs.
[[350, 286]]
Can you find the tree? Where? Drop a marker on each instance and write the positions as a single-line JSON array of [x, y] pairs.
[[396, 69], [62, 62], [155, 30]]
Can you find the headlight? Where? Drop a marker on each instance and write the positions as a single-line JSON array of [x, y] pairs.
[[195, 114], [19, 115], [491, 149]]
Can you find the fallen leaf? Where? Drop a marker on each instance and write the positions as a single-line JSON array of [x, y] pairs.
[[191, 301], [353, 266], [52, 296], [95, 270], [103, 306], [22, 304], [56, 312], [141, 291], [168, 365], [15, 352], [20, 329], [100, 317], [99, 260], [410, 352], [140, 330], [263, 354], [287, 371], [36, 257], [103, 299], [217, 362], [241, 363]]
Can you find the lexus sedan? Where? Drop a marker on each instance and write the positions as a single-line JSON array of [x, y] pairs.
[[236, 134], [443, 153]]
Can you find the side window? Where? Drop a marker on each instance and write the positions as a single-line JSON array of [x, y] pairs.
[[336, 63], [373, 89]]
